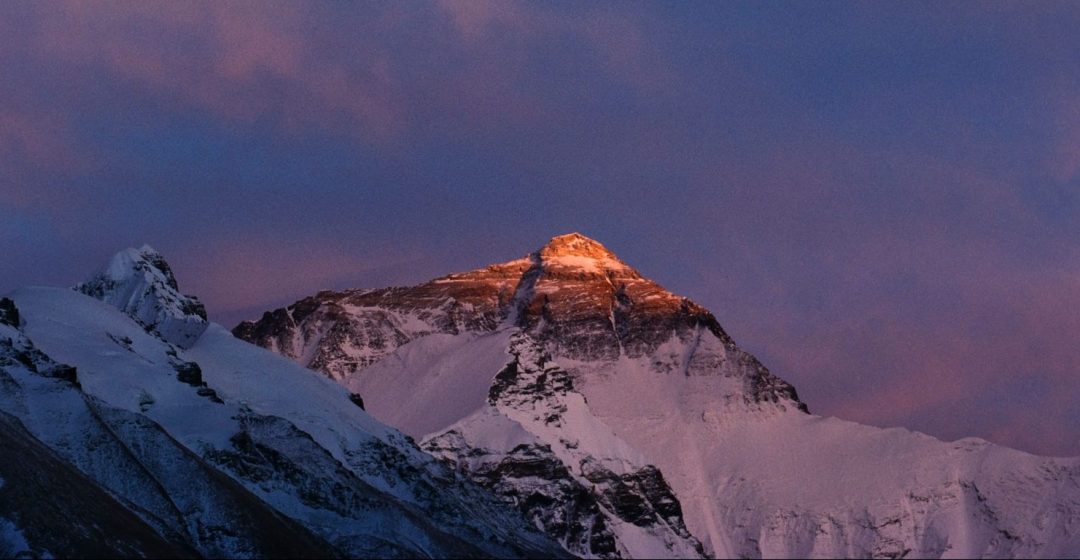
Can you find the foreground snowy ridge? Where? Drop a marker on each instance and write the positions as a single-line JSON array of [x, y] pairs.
[[625, 422], [189, 442]]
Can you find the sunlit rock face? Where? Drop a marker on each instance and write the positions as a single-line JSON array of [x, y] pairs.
[[340, 333], [573, 294]]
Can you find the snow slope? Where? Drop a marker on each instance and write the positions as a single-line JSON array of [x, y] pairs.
[[224, 448], [786, 484], [623, 420], [42, 493], [183, 499], [433, 381]]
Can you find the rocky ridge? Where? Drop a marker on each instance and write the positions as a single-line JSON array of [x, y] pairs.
[[624, 421], [140, 283], [572, 293]]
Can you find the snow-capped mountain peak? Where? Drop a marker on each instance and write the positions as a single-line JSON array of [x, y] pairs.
[[141, 283], [575, 244], [144, 261], [491, 369], [623, 420], [615, 416], [575, 251], [573, 293]]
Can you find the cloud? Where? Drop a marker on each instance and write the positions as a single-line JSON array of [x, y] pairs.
[[937, 334], [893, 287], [237, 60], [40, 138], [377, 78], [34, 145]]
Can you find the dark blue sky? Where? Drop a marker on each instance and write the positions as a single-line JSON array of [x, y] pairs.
[[879, 200]]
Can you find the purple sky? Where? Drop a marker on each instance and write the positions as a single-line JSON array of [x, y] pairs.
[[880, 200]]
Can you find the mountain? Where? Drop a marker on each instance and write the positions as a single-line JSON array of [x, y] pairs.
[[625, 422], [141, 429], [95, 523]]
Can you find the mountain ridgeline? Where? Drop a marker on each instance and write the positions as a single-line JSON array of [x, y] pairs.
[[556, 405], [624, 421]]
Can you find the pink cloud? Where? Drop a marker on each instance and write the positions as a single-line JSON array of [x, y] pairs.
[[43, 139], [237, 60], [1006, 325], [241, 61], [473, 19]]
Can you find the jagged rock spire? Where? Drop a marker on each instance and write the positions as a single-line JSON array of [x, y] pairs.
[[140, 283]]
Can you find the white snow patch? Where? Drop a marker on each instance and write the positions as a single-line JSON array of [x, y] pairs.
[[584, 264], [432, 382], [118, 362], [81, 331], [488, 429], [134, 283], [795, 484], [270, 384]]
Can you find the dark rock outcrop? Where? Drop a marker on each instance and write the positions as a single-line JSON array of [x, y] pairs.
[[9, 314]]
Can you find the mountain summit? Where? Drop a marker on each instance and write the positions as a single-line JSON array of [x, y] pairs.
[[140, 283], [575, 245], [624, 421], [559, 404], [573, 294]]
